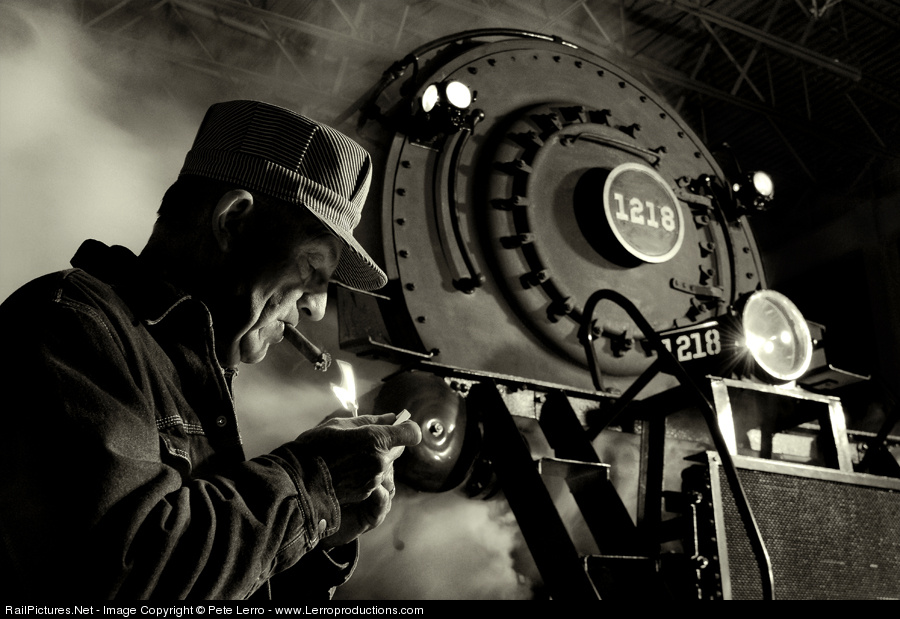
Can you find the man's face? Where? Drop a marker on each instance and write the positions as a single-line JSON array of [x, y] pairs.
[[279, 277]]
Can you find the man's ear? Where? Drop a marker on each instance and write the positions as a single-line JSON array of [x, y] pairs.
[[229, 216]]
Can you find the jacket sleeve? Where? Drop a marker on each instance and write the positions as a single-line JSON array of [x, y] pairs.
[[93, 504]]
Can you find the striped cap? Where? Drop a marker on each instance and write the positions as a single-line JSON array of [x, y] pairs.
[[287, 156]]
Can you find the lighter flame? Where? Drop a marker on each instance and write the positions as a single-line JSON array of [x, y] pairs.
[[346, 391]]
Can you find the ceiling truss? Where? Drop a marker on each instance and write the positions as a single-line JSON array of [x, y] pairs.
[[807, 71]]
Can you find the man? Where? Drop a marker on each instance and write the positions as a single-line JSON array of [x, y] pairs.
[[122, 468]]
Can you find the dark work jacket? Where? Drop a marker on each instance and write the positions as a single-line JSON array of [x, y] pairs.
[[121, 468]]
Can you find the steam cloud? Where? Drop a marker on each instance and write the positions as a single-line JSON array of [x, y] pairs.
[[79, 156], [443, 547]]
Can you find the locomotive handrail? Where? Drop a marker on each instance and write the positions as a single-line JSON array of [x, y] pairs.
[[653, 158], [667, 362], [396, 70], [475, 277]]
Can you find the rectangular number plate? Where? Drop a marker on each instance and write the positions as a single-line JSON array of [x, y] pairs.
[[703, 341]]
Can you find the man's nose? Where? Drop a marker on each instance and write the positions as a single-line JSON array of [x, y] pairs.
[[312, 305]]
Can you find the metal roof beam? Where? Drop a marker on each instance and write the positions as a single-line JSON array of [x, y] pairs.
[[699, 65], [793, 151], [807, 55], [769, 20], [874, 14], [596, 23], [107, 13], [264, 32], [222, 70], [863, 118], [483, 12], [825, 133], [741, 71], [297, 25], [565, 13], [344, 15]]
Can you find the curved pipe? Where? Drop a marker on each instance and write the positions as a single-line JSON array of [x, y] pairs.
[[666, 362]]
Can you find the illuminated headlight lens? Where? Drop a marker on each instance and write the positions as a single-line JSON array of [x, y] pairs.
[[459, 95], [777, 335], [763, 184], [429, 98]]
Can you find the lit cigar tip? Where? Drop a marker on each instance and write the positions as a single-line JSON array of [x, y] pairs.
[[312, 353]]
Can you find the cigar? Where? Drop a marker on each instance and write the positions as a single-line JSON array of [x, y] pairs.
[[315, 355]]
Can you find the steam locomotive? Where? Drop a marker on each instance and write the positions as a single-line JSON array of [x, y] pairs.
[[575, 291]]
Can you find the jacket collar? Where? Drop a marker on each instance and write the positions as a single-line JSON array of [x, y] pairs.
[[149, 297]]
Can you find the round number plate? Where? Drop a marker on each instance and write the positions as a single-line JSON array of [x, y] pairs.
[[643, 212]]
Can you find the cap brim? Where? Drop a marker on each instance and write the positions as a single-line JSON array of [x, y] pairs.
[[356, 268]]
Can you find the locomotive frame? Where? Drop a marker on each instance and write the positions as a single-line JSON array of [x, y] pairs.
[[505, 224]]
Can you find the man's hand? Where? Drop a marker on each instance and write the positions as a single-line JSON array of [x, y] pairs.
[[359, 452], [357, 518]]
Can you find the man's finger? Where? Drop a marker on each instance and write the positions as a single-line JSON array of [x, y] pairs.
[[388, 483], [388, 437], [405, 434], [347, 422], [402, 436], [375, 507]]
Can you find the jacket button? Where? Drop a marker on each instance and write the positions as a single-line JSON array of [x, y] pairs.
[[221, 421], [320, 530]]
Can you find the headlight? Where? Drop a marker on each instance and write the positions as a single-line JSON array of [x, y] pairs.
[[458, 95], [441, 110], [453, 96], [776, 335], [430, 98]]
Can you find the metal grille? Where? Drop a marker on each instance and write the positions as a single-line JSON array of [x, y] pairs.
[[827, 540]]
